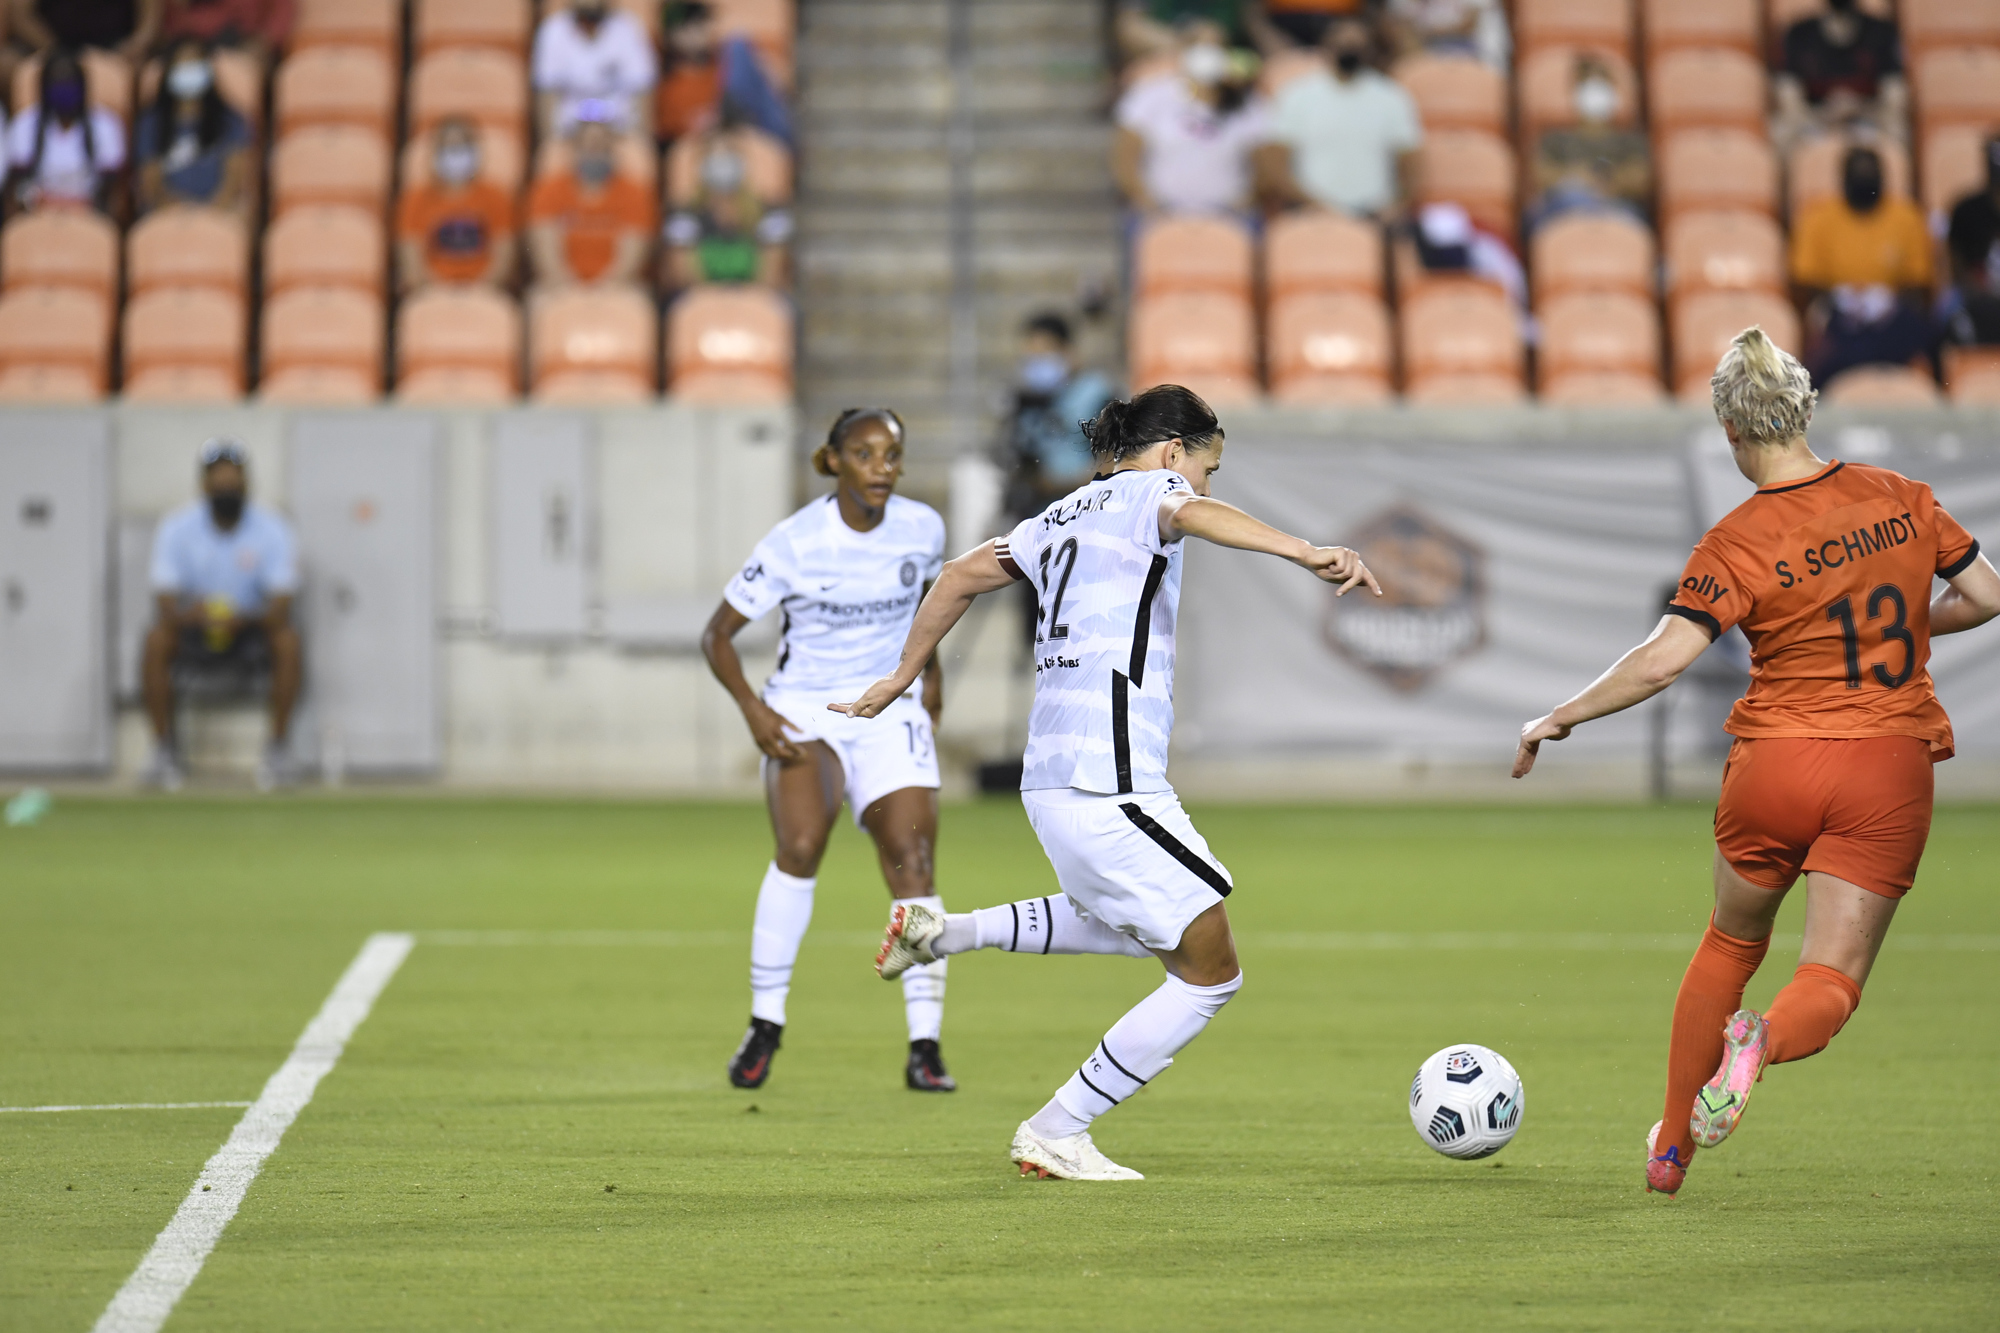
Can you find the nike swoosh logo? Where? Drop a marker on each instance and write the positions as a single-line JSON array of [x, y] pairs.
[[829, 587]]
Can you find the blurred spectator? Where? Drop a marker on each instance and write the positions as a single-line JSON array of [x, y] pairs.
[[705, 70], [1593, 164], [261, 27], [1351, 131], [1287, 25], [1861, 266], [1840, 67], [457, 227], [588, 51], [1155, 27], [589, 224], [1972, 309], [726, 234], [61, 150], [1048, 455], [1189, 140], [128, 27], [191, 146], [1452, 27], [224, 573], [1448, 241]]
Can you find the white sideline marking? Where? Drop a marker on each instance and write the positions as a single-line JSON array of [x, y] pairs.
[[163, 1276], [119, 1106]]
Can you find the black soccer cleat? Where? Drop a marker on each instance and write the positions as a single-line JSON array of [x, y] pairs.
[[926, 1071], [751, 1064]]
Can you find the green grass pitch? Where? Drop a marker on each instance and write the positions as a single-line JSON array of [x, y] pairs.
[[540, 1136]]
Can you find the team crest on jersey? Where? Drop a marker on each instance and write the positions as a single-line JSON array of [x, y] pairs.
[[1432, 611], [909, 573]]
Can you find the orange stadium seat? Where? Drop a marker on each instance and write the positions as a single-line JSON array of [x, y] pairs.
[[709, 388], [335, 85], [1605, 23], [487, 86], [1591, 252], [1972, 375], [1957, 85], [1282, 68], [1724, 251], [1411, 278], [330, 164], [63, 329], [1706, 86], [325, 245], [632, 156], [1320, 250], [1547, 80], [595, 388], [338, 327], [1675, 23], [1474, 170], [1613, 388], [1882, 386], [445, 386], [376, 23], [767, 165], [238, 77], [1329, 348], [591, 328], [503, 24], [1466, 389], [1204, 340], [1929, 24], [716, 336], [1185, 254], [499, 162], [1460, 330], [1954, 165], [1598, 333], [60, 247], [319, 386], [185, 326], [1455, 92], [29, 383], [1813, 171], [1782, 14], [458, 328], [1710, 169], [107, 81], [188, 246], [1704, 322], [182, 384]]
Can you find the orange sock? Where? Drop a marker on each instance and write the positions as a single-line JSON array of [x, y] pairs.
[[1805, 1014], [1711, 991]]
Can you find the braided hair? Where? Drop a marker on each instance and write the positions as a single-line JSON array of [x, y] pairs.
[[836, 435], [1125, 429]]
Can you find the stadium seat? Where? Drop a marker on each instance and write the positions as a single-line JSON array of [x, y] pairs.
[[590, 328], [319, 386], [1455, 92], [1670, 24], [1972, 375], [335, 85], [487, 86], [1927, 25], [1599, 23], [1598, 333], [1957, 85], [1954, 165], [188, 246], [1460, 330], [1471, 389], [1332, 336], [767, 165], [1716, 169], [505, 25], [708, 388], [374, 23], [1615, 388], [185, 326], [1471, 169], [63, 329], [330, 164], [1547, 88], [1333, 391], [499, 162], [1204, 340], [1185, 254], [182, 384], [1410, 278], [29, 383], [594, 388], [728, 331], [1282, 68], [1882, 386], [632, 156], [1704, 87], [107, 81], [1704, 322], [455, 386], [1813, 171], [1724, 251], [1320, 250], [60, 247], [326, 245], [337, 327], [1591, 252], [238, 77], [458, 328]]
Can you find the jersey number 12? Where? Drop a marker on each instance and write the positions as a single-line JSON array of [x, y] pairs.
[[1067, 555]]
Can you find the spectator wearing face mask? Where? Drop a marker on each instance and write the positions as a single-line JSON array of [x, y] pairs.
[[61, 150], [1592, 165], [261, 27], [1861, 268], [1193, 140], [1972, 312], [1840, 67], [129, 27], [1475, 28], [589, 224], [1351, 133], [588, 51], [192, 147], [457, 227], [1052, 396], [726, 234]]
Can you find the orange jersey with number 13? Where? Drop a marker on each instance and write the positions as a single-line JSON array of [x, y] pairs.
[[1830, 580]]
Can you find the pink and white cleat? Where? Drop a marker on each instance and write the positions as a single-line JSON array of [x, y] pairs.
[[1719, 1106], [1664, 1172]]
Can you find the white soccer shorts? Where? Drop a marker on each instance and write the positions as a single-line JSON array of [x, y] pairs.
[[1133, 862], [877, 755]]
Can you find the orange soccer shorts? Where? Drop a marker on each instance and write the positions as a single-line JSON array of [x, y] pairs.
[[1858, 809]]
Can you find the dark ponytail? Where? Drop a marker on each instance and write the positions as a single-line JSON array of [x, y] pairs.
[[1163, 412], [836, 435]]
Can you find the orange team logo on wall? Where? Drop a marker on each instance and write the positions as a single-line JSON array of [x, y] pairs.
[[1432, 611]]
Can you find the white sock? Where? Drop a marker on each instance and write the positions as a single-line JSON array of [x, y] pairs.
[[923, 987], [1137, 1050], [1034, 925], [784, 910]]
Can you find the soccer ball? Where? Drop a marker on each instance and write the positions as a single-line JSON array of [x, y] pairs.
[[1466, 1101]]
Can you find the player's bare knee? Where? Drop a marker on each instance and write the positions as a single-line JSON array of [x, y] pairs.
[[800, 855]]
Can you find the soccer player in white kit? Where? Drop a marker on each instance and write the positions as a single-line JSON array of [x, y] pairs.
[[847, 572], [1137, 879]]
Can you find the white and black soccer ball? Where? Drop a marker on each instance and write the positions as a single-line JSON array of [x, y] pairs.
[[1466, 1101]]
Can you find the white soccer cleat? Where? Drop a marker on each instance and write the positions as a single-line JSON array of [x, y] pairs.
[[1073, 1158], [912, 929]]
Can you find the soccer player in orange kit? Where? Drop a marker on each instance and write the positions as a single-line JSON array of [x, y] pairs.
[[1828, 570]]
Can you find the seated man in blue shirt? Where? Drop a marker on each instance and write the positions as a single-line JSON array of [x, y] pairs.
[[224, 572]]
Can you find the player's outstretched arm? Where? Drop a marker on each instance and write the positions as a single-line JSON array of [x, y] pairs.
[[1224, 524], [1635, 678], [975, 572], [1971, 599]]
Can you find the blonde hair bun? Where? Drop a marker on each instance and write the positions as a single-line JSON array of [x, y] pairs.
[[1762, 390]]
